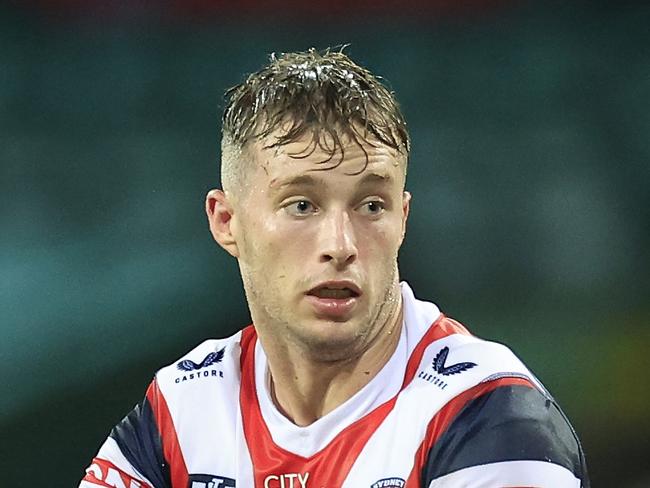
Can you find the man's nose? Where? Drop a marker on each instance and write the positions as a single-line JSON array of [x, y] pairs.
[[338, 239]]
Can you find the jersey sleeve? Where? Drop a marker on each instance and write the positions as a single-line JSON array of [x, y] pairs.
[[132, 456], [513, 435]]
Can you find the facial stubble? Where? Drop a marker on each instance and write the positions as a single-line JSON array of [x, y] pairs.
[[275, 318]]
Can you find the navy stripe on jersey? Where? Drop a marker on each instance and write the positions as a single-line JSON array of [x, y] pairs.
[[139, 440], [509, 423]]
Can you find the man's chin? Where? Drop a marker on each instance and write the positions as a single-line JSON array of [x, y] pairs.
[[331, 338]]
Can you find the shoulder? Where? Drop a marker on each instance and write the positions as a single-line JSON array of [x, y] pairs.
[[494, 422], [454, 360], [504, 421], [213, 358]]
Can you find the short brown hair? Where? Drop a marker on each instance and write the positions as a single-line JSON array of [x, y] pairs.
[[321, 93]]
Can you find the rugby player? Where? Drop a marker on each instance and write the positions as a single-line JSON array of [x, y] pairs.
[[344, 378]]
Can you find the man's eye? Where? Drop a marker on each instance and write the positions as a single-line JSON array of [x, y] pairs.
[[372, 208], [301, 207]]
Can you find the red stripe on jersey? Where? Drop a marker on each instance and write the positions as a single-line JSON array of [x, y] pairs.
[[275, 466], [104, 473], [441, 421], [171, 447]]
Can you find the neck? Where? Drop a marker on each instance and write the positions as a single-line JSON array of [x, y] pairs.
[[304, 389]]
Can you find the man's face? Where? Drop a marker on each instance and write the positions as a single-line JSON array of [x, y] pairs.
[[317, 248]]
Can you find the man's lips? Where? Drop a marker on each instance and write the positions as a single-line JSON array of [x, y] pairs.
[[334, 299], [341, 289]]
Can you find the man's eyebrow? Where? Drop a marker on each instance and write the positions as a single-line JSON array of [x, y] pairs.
[[375, 177], [300, 180]]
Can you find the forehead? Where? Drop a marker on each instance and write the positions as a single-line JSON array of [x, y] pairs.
[[352, 157]]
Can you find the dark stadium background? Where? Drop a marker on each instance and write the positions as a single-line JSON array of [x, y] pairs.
[[530, 221]]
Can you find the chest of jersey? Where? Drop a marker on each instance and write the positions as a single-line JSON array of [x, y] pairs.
[[226, 441]]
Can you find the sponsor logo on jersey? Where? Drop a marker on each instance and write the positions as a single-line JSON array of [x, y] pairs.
[[209, 360], [439, 367], [192, 369], [289, 480], [439, 364], [389, 483], [210, 481]]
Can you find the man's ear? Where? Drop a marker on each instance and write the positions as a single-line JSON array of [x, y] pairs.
[[406, 206], [220, 214]]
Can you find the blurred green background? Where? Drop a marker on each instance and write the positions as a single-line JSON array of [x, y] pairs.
[[530, 176]]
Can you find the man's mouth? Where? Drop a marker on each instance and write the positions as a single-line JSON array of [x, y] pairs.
[[334, 300], [337, 290], [333, 293]]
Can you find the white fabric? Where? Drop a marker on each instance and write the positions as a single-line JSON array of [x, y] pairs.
[[205, 410], [536, 474]]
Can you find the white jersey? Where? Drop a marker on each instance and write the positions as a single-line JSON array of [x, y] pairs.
[[447, 410]]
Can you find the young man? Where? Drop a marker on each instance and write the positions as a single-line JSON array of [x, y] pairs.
[[344, 379]]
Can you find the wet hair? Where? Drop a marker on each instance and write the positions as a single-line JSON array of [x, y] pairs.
[[324, 95]]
